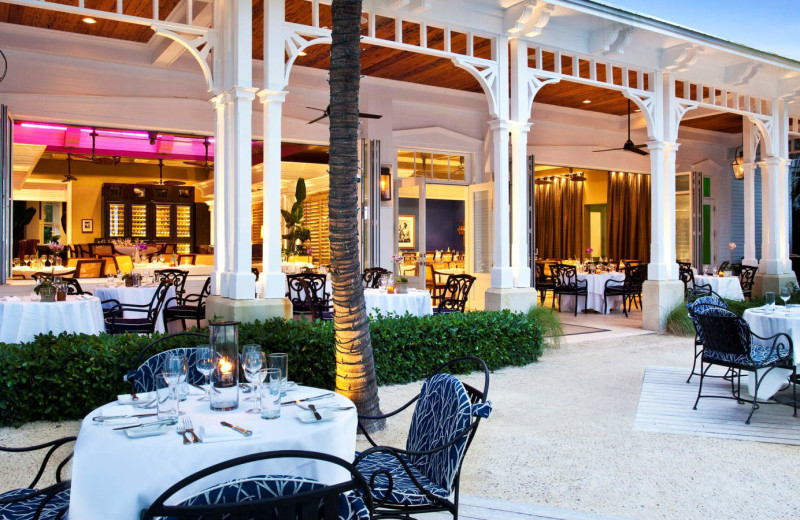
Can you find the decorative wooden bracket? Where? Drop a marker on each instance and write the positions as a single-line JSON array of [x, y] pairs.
[[486, 74], [527, 18], [199, 47], [296, 43]]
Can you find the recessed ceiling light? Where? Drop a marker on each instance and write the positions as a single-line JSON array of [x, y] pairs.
[[587, 101], [638, 110], [302, 53], [89, 20]]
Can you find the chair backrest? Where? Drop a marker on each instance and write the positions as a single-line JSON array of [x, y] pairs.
[[72, 262], [686, 275], [254, 270], [311, 301], [205, 292], [316, 286], [726, 336], [42, 276], [372, 277], [157, 301], [539, 272], [176, 276], [73, 286], [89, 268], [168, 249], [747, 277], [445, 410], [699, 291], [564, 276], [124, 263], [685, 265], [111, 264], [101, 249], [455, 293], [269, 497], [144, 380], [700, 303], [635, 276], [447, 257], [186, 259]]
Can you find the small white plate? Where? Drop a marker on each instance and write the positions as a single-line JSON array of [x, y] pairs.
[[147, 431], [307, 416]]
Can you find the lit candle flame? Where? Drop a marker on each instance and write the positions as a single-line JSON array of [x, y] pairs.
[[225, 366]]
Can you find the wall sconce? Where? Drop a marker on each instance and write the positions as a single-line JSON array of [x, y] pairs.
[[738, 163], [386, 183]]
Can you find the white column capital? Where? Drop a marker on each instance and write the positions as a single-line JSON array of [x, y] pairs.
[[775, 162], [666, 146], [271, 96], [518, 126], [501, 125], [218, 101], [241, 93]]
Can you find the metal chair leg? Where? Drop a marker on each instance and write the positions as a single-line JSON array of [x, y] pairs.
[[755, 397], [694, 361], [700, 388]]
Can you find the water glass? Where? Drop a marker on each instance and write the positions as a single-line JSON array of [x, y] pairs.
[[280, 361], [175, 369], [271, 392], [252, 361], [770, 297], [785, 295], [166, 400], [16, 262], [205, 364]]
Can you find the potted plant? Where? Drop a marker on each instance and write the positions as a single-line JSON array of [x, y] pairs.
[[402, 285], [128, 279], [46, 290]]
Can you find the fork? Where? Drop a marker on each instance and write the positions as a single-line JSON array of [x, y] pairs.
[[190, 429], [182, 429]]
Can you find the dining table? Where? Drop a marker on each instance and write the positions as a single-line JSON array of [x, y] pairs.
[[595, 288], [193, 270], [139, 295], [416, 302], [22, 318], [727, 287], [767, 321], [28, 272], [116, 476]]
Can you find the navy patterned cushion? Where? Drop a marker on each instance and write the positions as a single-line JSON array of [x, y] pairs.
[[699, 305], [404, 491], [442, 412], [761, 354], [144, 377], [26, 509], [351, 506]]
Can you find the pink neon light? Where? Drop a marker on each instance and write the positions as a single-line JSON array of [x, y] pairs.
[[45, 127], [116, 132]]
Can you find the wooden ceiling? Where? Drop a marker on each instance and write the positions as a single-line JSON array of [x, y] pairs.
[[379, 62]]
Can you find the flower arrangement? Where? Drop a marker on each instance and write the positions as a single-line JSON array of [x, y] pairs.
[[731, 247], [398, 259], [55, 247], [141, 247]]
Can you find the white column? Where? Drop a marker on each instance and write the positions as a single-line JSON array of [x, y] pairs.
[[749, 214], [774, 208], [502, 275], [663, 266], [519, 205], [220, 237]]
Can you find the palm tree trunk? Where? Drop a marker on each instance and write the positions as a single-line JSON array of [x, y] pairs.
[[355, 365]]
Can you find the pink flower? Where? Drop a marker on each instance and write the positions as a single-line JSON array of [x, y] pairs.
[[732, 246]]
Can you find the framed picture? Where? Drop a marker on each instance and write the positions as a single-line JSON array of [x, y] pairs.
[[87, 225], [406, 236]]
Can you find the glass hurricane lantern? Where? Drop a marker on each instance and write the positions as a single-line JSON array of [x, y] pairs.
[[224, 337]]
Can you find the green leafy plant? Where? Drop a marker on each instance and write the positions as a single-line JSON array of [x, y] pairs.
[[550, 323], [678, 321], [66, 376], [46, 285], [296, 235], [402, 279]]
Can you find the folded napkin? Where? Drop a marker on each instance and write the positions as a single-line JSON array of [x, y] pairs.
[[219, 433]]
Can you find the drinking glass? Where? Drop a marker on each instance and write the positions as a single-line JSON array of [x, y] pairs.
[[110, 280], [166, 400], [16, 262], [252, 361], [175, 371], [271, 393], [27, 259], [59, 261], [51, 259], [205, 364], [770, 297], [785, 295], [280, 360]]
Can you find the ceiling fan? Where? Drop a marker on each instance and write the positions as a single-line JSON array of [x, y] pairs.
[[161, 181], [202, 164], [628, 146], [68, 177], [94, 158], [327, 113]]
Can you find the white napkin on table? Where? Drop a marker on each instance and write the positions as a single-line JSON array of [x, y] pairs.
[[219, 433]]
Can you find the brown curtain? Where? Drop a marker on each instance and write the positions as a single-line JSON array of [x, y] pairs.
[[559, 219], [629, 216]]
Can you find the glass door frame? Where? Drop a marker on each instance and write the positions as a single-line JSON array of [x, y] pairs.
[[418, 184]]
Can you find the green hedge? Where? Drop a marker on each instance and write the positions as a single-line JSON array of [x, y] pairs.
[[66, 376]]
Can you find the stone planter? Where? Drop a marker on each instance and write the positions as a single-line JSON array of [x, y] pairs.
[[128, 282], [47, 294], [402, 287]]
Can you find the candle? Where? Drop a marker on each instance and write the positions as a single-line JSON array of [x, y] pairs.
[[226, 370]]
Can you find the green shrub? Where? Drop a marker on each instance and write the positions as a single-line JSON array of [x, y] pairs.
[[679, 323], [66, 376]]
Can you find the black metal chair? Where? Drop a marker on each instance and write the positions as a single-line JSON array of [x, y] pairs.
[[372, 277], [455, 293], [565, 282], [267, 497], [193, 307], [316, 307], [296, 292], [630, 288], [747, 277], [116, 324], [73, 286], [699, 339], [42, 276], [49, 503], [723, 267], [178, 279], [143, 378], [544, 283], [730, 343], [423, 477]]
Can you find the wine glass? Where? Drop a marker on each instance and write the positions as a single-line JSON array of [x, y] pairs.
[[59, 261], [785, 295], [205, 365], [27, 259], [174, 371], [252, 361], [16, 262]]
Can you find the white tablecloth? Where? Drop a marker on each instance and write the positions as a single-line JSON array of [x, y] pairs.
[[134, 296], [27, 272], [415, 302], [128, 250], [193, 270], [595, 286], [767, 324], [727, 287], [115, 477], [21, 319]]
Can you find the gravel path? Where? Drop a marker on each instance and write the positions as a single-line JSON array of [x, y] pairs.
[[561, 435]]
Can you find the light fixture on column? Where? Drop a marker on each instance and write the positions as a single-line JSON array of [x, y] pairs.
[[386, 183], [738, 163], [577, 177]]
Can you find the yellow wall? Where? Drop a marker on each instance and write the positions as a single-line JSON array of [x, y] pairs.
[[596, 187]]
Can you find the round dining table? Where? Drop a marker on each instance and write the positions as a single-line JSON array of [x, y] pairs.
[[141, 295], [115, 476], [766, 322], [22, 318], [728, 287], [595, 288], [28, 272], [416, 302]]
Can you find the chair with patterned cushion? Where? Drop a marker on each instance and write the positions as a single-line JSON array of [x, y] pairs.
[[729, 342], [454, 295], [566, 282], [424, 477], [193, 307], [49, 503], [90, 268], [143, 378], [296, 293], [117, 324], [372, 277], [747, 276], [699, 339], [177, 277], [273, 497]]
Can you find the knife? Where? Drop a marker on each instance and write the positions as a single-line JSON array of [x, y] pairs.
[[101, 418], [142, 425], [244, 432], [313, 408], [314, 398]]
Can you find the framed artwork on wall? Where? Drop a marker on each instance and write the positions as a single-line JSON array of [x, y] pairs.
[[406, 231], [87, 225]]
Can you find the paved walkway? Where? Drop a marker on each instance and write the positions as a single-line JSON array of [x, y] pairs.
[[479, 508]]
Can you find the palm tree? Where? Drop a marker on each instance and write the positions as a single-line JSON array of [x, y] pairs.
[[355, 365]]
